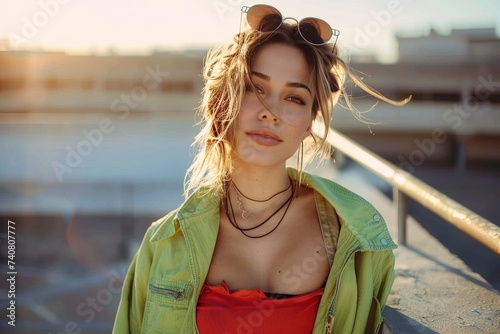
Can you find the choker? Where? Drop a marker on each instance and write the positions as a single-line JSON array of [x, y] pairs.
[[262, 200]]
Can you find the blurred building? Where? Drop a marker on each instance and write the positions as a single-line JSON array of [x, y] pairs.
[[48, 82], [459, 46], [454, 81]]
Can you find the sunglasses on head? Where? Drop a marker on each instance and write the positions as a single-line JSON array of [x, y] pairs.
[[266, 18]]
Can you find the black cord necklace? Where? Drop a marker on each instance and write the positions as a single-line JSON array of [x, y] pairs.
[[245, 214], [232, 218], [262, 200]]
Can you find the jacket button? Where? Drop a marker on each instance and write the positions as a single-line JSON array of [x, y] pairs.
[[383, 241], [191, 210], [376, 218]]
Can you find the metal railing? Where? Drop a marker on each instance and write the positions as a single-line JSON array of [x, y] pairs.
[[406, 185]]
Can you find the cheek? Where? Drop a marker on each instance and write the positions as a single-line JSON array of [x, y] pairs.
[[296, 116], [299, 122], [249, 103]]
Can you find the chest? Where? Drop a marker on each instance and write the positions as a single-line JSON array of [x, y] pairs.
[[291, 260]]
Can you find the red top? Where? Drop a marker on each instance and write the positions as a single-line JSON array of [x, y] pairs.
[[222, 311]]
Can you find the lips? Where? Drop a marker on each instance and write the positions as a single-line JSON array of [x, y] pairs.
[[264, 137]]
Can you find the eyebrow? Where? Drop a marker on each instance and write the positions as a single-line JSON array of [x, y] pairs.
[[289, 84]]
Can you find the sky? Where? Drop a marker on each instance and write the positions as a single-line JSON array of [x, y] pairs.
[[139, 26]]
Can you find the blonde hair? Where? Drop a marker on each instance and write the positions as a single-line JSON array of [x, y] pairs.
[[226, 73]]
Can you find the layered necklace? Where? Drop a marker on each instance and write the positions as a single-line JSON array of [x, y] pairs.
[[245, 214]]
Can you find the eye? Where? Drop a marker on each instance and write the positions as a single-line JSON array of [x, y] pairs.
[[259, 90], [295, 99]]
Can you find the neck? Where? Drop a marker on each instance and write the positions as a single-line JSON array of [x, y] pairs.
[[260, 183]]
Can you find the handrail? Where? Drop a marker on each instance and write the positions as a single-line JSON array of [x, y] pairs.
[[404, 184]]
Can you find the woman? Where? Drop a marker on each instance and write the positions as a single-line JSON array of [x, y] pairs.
[[257, 247]]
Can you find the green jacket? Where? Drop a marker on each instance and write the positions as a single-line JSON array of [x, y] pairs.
[[166, 276]]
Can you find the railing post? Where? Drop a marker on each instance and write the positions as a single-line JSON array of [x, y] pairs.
[[399, 200]]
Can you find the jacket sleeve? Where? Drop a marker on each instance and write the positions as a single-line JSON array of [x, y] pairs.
[[369, 283], [134, 292], [383, 280], [387, 275]]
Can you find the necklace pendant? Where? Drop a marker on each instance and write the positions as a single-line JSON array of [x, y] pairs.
[[245, 214]]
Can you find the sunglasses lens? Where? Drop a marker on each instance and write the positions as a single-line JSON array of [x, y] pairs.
[[264, 18], [315, 31]]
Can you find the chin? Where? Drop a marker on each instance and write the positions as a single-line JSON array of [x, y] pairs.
[[249, 154], [260, 160]]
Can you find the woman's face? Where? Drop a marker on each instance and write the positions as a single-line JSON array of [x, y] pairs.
[[269, 137]]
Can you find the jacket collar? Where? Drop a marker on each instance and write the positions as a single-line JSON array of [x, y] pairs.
[[356, 214], [199, 204]]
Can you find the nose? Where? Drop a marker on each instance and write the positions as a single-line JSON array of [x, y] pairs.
[[268, 112]]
